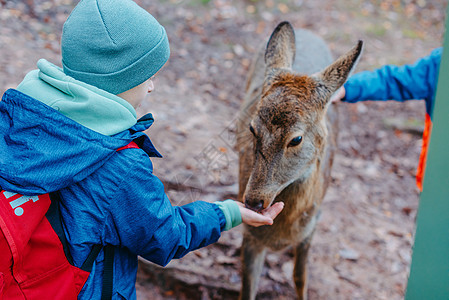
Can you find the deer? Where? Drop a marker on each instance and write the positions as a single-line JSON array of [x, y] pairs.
[[286, 139]]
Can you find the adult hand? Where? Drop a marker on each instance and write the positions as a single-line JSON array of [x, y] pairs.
[[338, 95], [266, 216]]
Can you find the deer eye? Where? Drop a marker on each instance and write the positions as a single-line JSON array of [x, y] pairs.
[[295, 142], [251, 128]]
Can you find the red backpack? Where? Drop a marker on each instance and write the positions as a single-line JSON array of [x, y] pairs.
[[35, 261]]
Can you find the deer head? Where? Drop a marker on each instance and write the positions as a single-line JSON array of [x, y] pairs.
[[289, 128]]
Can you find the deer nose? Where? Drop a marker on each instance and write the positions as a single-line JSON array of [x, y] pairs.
[[254, 205]]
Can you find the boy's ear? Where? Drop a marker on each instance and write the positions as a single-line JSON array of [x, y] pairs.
[[335, 75], [280, 52]]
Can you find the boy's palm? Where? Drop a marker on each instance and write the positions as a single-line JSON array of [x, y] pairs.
[[266, 217]]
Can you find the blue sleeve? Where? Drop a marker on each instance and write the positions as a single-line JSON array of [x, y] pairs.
[[143, 220], [400, 83]]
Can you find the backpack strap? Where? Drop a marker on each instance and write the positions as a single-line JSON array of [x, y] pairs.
[[108, 272], [89, 262], [54, 217]]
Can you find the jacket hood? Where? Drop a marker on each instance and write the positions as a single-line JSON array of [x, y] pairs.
[[92, 107], [43, 151]]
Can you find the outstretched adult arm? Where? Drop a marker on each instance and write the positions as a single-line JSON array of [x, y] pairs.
[[400, 83]]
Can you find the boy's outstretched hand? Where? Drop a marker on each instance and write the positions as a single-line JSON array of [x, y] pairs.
[[266, 217]]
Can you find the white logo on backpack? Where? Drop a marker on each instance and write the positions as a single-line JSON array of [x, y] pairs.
[[15, 204]]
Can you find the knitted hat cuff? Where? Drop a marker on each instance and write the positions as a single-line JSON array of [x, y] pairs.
[[131, 76]]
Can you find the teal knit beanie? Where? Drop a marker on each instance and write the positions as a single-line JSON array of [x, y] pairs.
[[114, 45]]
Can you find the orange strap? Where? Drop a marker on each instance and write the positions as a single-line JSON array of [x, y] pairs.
[[423, 156]]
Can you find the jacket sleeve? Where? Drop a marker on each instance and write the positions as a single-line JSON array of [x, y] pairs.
[[143, 220], [400, 83]]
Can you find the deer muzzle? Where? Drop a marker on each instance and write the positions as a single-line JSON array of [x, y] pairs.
[[258, 200], [256, 205]]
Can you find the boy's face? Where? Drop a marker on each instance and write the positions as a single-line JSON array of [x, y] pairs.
[[136, 95]]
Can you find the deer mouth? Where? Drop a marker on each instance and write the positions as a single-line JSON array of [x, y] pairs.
[[258, 207], [258, 203]]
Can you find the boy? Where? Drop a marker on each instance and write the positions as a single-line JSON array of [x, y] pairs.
[[61, 130]]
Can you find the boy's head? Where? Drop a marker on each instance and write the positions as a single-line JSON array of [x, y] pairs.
[[114, 45]]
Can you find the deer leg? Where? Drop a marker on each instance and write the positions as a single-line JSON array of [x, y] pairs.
[[253, 258], [300, 271]]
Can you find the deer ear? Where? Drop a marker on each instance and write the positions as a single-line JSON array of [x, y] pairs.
[[335, 75], [281, 47]]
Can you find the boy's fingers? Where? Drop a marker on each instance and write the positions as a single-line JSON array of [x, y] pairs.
[[259, 220], [273, 210], [256, 217], [264, 218]]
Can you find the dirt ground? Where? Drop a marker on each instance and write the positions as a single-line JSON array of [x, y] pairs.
[[362, 246]]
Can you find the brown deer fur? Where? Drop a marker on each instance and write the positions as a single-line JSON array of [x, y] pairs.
[[284, 101]]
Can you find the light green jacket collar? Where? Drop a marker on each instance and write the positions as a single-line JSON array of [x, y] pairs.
[[91, 107]]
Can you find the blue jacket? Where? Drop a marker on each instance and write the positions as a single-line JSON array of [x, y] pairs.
[[108, 197], [400, 83]]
